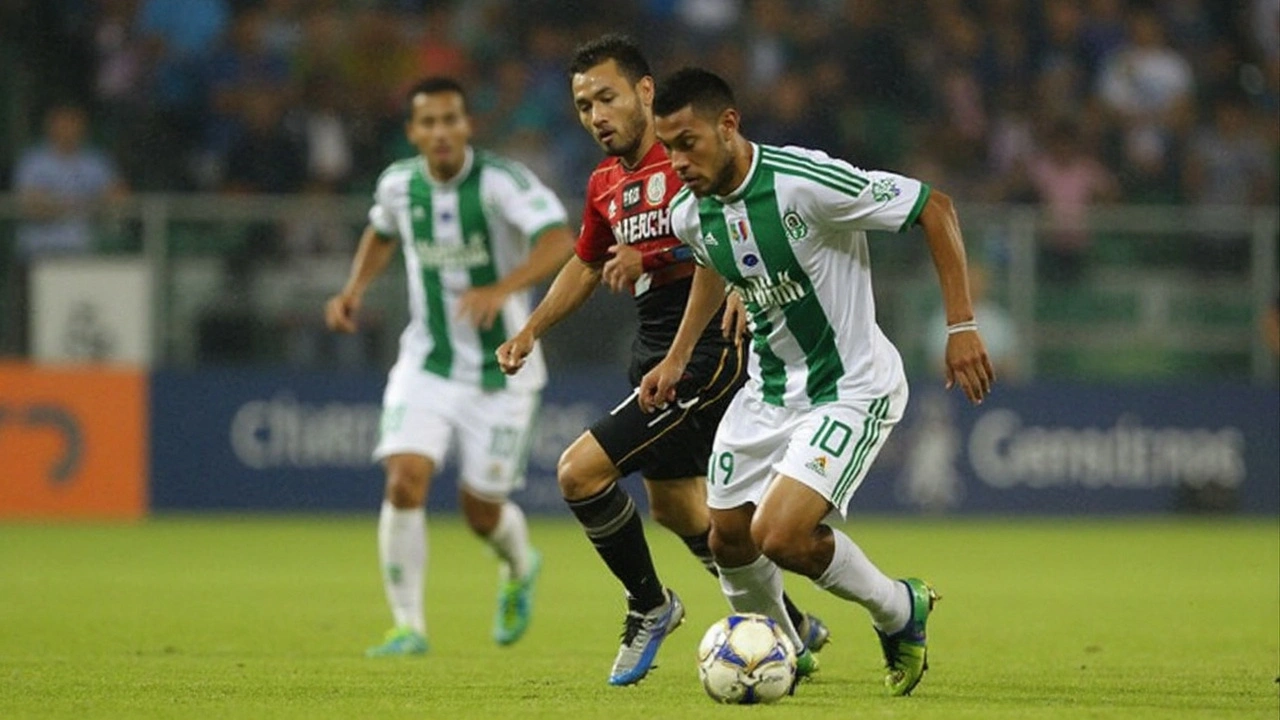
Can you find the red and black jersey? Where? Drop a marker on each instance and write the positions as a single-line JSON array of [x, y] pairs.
[[629, 207]]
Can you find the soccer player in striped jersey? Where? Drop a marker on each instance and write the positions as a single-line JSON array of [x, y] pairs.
[[476, 231], [785, 227], [626, 244]]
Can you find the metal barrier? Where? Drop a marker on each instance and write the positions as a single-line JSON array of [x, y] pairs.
[[263, 266]]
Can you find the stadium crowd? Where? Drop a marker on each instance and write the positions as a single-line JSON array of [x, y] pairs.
[[1064, 101]]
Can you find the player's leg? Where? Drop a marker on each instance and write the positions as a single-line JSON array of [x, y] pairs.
[[402, 552], [588, 474], [415, 434], [494, 433], [825, 461]]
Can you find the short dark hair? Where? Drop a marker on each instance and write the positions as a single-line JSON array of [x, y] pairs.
[[707, 92], [433, 86], [616, 47]]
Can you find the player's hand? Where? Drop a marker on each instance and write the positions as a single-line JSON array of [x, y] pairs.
[[623, 269], [733, 324], [658, 386], [481, 305], [512, 353], [968, 366], [340, 312]]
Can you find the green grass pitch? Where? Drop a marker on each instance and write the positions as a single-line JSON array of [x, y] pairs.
[[265, 617]]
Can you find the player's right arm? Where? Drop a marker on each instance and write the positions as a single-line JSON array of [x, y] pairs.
[[372, 257], [706, 295], [572, 286]]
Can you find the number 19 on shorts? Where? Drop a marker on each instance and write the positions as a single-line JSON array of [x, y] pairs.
[[720, 468]]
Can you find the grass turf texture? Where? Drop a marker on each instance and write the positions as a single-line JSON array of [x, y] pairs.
[[266, 617]]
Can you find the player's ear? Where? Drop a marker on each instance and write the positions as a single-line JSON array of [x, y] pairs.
[[729, 122], [644, 89]]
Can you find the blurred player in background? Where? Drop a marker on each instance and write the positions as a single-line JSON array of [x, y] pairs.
[[786, 227], [626, 243], [476, 230]]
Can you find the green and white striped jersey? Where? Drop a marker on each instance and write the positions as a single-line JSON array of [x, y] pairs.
[[791, 239], [464, 233]]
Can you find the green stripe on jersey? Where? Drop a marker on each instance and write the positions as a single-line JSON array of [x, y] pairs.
[[476, 227], [509, 168], [830, 174], [806, 319], [440, 360], [773, 372], [877, 411]]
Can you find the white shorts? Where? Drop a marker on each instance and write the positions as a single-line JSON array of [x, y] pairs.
[[828, 448], [422, 413]]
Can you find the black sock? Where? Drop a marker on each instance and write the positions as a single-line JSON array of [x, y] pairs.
[[701, 549], [611, 521]]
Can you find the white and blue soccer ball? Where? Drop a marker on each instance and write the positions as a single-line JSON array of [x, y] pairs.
[[745, 659]]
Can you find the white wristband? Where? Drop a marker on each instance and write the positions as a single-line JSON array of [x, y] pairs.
[[966, 326]]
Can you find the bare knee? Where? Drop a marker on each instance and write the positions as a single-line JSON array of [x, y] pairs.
[[408, 477], [782, 543], [584, 470], [482, 513], [730, 541]]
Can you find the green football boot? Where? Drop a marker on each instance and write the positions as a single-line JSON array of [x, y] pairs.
[[806, 664], [905, 652], [515, 603], [400, 642]]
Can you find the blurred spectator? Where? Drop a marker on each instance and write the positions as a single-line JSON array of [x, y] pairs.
[[264, 158], [61, 183], [1228, 164], [1148, 86], [1067, 179]]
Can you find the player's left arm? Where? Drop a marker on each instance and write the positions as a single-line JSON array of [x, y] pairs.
[[967, 362], [535, 210]]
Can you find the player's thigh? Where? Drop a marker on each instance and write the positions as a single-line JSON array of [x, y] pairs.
[[495, 430], [834, 445], [418, 414], [752, 437]]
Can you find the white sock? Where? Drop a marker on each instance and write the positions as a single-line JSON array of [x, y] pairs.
[[852, 576], [510, 540], [402, 549], [757, 588]]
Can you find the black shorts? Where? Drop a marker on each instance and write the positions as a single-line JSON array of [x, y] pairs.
[[675, 442]]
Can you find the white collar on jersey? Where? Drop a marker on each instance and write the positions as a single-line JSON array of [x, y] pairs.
[[751, 175], [454, 181]]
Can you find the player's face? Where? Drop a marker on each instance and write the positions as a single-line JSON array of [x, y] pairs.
[[701, 149], [440, 130], [614, 111]]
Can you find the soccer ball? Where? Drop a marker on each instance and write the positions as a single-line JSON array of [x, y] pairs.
[[746, 658]]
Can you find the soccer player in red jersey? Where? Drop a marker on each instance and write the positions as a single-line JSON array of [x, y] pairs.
[[626, 243]]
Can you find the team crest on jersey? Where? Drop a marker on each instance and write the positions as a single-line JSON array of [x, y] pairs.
[[738, 231], [818, 465], [884, 189], [631, 196], [656, 191], [795, 225]]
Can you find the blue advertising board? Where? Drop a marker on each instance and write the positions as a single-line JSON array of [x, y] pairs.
[[279, 440]]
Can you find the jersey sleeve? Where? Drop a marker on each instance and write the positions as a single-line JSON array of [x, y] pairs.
[[595, 237], [523, 200], [851, 198], [686, 227], [381, 216]]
